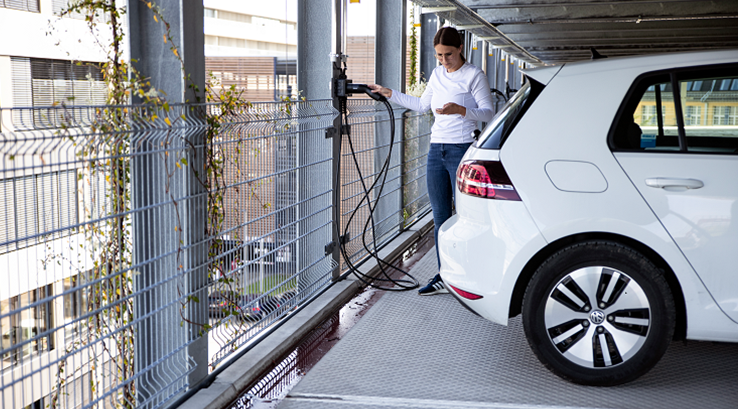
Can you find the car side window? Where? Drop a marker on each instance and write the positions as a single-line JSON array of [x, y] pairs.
[[656, 116], [687, 110], [648, 118], [710, 113]]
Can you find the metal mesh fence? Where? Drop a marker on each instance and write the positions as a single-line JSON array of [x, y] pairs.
[[416, 143], [276, 196], [381, 175], [142, 247]]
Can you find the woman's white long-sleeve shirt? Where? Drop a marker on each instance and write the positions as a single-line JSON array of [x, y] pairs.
[[468, 87]]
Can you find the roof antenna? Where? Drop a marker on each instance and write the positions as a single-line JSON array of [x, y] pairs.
[[595, 54]]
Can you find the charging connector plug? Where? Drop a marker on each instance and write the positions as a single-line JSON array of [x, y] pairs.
[[358, 88]]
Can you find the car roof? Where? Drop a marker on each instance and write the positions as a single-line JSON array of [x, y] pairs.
[[651, 62]]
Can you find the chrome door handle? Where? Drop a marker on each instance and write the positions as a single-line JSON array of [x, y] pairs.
[[666, 183]]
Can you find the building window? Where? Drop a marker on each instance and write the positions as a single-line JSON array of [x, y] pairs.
[[23, 323], [733, 115], [43, 82], [231, 42], [57, 6], [24, 5], [227, 15], [37, 207], [648, 113], [720, 115], [42, 403], [694, 85], [57, 81], [76, 304], [725, 115], [693, 115]]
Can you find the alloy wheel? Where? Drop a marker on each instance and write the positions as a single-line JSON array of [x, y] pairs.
[[597, 317]]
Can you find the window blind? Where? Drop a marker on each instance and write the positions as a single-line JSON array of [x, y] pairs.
[[24, 5], [44, 82], [35, 205], [7, 213]]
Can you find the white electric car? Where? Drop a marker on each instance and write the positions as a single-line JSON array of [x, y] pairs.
[[602, 204]]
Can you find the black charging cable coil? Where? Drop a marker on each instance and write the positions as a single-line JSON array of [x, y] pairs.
[[384, 278]]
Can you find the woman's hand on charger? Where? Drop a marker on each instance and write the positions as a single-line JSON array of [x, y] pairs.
[[385, 92], [451, 108]]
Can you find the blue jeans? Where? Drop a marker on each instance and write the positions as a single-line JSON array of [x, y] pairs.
[[443, 159]]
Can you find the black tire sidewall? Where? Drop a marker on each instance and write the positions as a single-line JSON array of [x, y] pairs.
[[621, 258]]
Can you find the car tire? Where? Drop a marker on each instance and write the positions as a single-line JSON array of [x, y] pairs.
[[598, 293]]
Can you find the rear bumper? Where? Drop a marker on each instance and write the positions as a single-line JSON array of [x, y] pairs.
[[485, 254]]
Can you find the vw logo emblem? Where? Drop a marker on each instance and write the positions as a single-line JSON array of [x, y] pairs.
[[597, 317]]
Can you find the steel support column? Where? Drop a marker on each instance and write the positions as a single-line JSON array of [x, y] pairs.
[[390, 71], [160, 332], [428, 28], [391, 44], [319, 40]]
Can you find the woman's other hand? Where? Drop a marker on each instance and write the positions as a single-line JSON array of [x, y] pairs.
[[451, 108], [385, 92]]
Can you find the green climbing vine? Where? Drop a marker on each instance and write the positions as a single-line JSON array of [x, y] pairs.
[[105, 150], [413, 50], [108, 336], [108, 332], [416, 83]]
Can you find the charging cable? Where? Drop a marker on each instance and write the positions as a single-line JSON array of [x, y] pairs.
[[383, 281]]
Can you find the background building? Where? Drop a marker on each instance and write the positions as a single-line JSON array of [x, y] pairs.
[[44, 59], [252, 45]]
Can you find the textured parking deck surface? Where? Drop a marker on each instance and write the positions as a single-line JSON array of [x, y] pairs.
[[429, 352]]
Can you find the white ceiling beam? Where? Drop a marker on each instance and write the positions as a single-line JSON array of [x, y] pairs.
[[427, 10], [469, 27]]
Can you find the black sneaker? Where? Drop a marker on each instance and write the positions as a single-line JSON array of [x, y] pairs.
[[434, 286]]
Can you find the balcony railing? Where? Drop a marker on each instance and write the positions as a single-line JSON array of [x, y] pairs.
[[143, 247]]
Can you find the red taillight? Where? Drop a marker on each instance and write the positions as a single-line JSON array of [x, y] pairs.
[[466, 294], [486, 179]]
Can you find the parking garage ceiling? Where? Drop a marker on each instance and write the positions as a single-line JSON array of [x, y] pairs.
[[556, 31]]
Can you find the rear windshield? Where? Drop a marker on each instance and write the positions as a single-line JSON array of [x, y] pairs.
[[496, 132]]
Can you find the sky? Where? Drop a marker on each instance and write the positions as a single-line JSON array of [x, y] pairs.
[[361, 18]]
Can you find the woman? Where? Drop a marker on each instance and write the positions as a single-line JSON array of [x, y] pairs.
[[459, 95]]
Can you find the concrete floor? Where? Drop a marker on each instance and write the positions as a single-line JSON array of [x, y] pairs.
[[429, 352]]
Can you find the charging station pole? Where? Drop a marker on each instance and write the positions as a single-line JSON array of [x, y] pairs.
[[337, 58]]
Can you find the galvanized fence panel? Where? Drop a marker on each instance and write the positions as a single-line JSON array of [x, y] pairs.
[[92, 258], [415, 154], [139, 250], [276, 194]]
